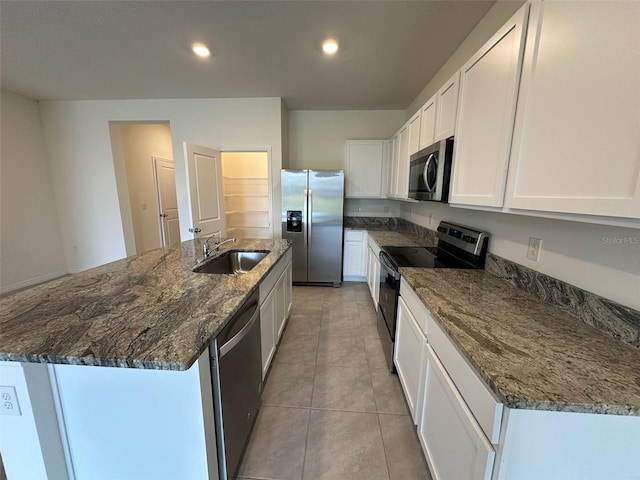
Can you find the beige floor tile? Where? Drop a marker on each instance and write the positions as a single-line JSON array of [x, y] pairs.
[[375, 355], [387, 392], [289, 385], [343, 388], [402, 448], [297, 349], [276, 448], [344, 445], [347, 326], [342, 351], [304, 323]]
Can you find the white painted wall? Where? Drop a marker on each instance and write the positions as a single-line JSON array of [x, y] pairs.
[[30, 242], [78, 146], [140, 144], [316, 138], [245, 164], [582, 254]]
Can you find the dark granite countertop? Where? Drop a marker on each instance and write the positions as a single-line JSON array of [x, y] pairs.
[[147, 311], [532, 355]]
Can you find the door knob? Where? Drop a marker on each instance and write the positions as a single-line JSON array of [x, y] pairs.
[[164, 215], [195, 230]]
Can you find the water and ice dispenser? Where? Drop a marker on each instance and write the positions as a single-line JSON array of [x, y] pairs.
[[294, 221]]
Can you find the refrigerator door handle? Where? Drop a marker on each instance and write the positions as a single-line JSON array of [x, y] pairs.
[[305, 216], [310, 198]]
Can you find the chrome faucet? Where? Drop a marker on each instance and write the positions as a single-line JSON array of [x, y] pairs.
[[206, 249]]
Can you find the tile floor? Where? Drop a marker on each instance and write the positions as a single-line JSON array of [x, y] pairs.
[[330, 409]]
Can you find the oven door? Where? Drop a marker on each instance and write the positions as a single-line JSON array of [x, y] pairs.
[[389, 291]]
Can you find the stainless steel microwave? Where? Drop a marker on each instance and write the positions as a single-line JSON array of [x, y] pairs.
[[430, 172]]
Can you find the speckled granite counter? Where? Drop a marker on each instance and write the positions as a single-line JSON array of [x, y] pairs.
[[148, 311], [532, 355]]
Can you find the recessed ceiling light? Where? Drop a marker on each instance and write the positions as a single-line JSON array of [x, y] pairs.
[[330, 47], [201, 50]]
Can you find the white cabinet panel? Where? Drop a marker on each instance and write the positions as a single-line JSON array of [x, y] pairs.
[[410, 358], [453, 442], [447, 108], [281, 307], [355, 255], [373, 275], [268, 331], [414, 133], [402, 189], [488, 92], [577, 135], [392, 188], [364, 161], [428, 123]]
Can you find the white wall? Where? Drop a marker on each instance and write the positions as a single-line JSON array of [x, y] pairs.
[[316, 138], [582, 254], [30, 242], [140, 144], [78, 145]]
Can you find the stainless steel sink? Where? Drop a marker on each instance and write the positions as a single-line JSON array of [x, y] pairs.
[[232, 262]]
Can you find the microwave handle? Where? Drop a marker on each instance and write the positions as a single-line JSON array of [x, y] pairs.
[[431, 158]]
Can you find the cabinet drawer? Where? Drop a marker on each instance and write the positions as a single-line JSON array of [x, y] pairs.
[[418, 309], [354, 235], [485, 406], [454, 444]]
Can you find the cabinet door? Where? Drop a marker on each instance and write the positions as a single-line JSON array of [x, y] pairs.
[[414, 133], [288, 289], [392, 189], [363, 168], [454, 444], [268, 330], [410, 358], [447, 108], [428, 123], [488, 92], [403, 163], [280, 293], [577, 132]]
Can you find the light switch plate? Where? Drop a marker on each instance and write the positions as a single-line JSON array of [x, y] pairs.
[[9, 401], [533, 252]]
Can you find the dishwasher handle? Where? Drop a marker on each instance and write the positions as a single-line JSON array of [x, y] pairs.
[[237, 338]]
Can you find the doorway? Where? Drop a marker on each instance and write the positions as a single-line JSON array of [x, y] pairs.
[[247, 195], [143, 162]]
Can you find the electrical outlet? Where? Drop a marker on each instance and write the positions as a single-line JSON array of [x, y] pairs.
[[9, 401], [533, 252]]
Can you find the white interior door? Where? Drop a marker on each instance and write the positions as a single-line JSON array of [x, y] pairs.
[[204, 176], [167, 201]]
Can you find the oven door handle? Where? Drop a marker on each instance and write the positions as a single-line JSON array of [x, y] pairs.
[[386, 263]]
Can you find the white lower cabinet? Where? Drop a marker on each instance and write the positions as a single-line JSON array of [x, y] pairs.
[[373, 275], [410, 358], [355, 256], [453, 442], [275, 304]]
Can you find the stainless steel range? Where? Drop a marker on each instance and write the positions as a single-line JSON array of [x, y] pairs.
[[458, 247]]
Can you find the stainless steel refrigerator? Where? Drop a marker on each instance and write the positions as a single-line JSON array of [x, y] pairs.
[[312, 204]]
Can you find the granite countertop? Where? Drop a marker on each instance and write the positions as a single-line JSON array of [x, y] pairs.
[[147, 311], [532, 355]]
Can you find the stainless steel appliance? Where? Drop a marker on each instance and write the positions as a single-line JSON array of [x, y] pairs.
[[236, 375], [430, 172], [312, 206], [458, 247]]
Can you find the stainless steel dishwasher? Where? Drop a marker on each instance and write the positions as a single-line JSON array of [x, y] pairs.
[[236, 374]]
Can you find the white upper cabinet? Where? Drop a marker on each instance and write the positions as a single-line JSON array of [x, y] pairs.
[[414, 133], [392, 190], [488, 93], [402, 188], [576, 143], [363, 164], [447, 108], [428, 123]]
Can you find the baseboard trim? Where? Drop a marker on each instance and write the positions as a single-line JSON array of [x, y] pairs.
[[31, 282]]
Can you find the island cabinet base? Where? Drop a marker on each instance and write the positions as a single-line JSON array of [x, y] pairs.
[[84, 422], [564, 445]]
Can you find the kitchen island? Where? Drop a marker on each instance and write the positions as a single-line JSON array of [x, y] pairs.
[[63, 347]]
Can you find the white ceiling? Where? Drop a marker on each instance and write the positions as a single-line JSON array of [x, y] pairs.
[[389, 50]]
